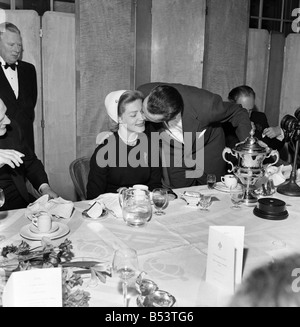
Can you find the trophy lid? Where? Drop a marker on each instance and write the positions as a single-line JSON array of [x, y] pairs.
[[252, 144]]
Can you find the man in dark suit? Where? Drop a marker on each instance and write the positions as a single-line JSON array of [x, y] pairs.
[[18, 162], [18, 81], [183, 111], [272, 136]]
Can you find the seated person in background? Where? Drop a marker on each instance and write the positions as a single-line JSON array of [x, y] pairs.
[[272, 136], [272, 285], [18, 162], [122, 160]]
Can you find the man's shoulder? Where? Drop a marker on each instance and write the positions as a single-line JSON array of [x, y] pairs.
[[26, 65]]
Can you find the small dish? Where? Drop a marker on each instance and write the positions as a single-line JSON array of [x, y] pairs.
[[220, 186], [86, 216], [157, 299]]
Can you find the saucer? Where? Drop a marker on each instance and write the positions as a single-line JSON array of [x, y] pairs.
[[62, 230], [220, 186], [102, 216], [35, 230]]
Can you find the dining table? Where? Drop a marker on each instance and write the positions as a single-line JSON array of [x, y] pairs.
[[172, 248]]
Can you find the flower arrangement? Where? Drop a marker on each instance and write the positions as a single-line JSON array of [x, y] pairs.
[[22, 257]]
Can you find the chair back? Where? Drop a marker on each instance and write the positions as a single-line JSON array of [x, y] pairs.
[[79, 172]]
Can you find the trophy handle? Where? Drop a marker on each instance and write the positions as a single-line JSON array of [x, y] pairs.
[[273, 153], [228, 150]]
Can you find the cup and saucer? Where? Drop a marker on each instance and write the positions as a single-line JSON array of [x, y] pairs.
[[42, 225], [227, 181]]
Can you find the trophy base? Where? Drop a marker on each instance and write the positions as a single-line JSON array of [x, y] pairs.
[[289, 188], [249, 199]]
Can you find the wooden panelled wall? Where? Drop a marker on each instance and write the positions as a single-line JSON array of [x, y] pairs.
[[225, 53], [273, 71]]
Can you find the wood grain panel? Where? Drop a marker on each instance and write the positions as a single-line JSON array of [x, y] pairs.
[[178, 41], [143, 42], [258, 64], [272, 107], [226, 38], [290, 95], [28, 22], [58, 47], [106, 49]]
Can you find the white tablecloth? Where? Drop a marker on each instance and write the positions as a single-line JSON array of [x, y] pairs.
[[172, 249]]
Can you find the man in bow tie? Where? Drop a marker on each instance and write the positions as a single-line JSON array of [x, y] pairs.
[[18, 81]]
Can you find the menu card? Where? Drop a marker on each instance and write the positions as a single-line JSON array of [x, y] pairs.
[[225, 256], [34, 288]]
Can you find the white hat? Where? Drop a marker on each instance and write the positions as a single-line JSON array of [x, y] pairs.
[[111, 104]]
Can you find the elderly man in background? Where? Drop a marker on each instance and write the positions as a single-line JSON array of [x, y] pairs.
[[18, 162], [18, 81]]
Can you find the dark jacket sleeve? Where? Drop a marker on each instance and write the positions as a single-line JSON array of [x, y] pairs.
[[32, 167], [97, 179], [238, 117]]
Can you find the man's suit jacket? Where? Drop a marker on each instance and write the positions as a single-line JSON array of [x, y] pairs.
[[32, 168], [21, 109], [204, 110]]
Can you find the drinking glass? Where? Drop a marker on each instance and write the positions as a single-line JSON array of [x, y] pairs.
[[211, 181], [2, 201], [160, 200], [205, 201], [125, 265], [237, 196]]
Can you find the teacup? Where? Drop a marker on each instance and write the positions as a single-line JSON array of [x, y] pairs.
[[140, 187], [43, 222], [229, 180]]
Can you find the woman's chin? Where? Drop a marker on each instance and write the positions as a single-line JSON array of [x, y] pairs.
[[140, 129]]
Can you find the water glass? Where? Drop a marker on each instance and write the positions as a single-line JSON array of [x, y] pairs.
[[125, 265], [205, 201], [160, 200], [211, 180], [237, 196]]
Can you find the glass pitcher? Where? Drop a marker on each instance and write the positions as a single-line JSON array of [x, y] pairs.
[[136, 206]]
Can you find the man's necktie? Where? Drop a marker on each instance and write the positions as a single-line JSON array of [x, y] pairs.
[[12, 66]]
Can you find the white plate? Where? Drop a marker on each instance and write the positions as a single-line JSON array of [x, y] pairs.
[[35, 230], [219, 186], [63, 230]]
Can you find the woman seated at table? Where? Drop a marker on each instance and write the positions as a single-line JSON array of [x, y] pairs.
[[272, 136], [124, 157]]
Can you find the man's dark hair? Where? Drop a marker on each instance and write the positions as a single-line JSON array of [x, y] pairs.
[[165, 100], [243, 90]]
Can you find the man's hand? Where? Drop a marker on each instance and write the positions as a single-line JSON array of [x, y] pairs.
[[12, 158], [272, 132], [46, 189]]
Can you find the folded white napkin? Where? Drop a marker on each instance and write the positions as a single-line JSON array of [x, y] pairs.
[[58, 207], [111, 202], [281, 174]]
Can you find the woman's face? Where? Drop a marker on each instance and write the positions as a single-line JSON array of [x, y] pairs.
[[132, 117], [247, 102]]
